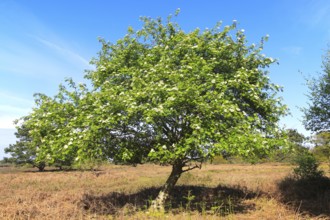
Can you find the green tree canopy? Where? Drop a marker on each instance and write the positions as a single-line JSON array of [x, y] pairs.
[[295, 146], [24, 151], [317, 114], [164, 95], [295, 137], [47, 129], [321, 149]]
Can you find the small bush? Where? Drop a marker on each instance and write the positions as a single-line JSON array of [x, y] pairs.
[[307, 189], [307, 168]]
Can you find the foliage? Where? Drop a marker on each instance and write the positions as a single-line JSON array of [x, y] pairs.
[[45, 133], [49, 126], [317, 115], [296, 142], [296, 139], [165, 96], [23, 151], [295, 145], [307, 167], [321, 150]]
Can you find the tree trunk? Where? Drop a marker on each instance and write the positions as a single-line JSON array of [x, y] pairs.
[[41, 166], [159, 203]]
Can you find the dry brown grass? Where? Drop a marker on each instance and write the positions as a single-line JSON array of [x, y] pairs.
[[123, 192]]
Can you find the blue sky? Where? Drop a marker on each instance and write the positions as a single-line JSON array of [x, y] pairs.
[[43, 42]]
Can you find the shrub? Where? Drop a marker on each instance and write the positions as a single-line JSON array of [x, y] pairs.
[[307, 168]]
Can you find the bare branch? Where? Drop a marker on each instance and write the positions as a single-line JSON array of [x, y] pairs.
[[193, 167]]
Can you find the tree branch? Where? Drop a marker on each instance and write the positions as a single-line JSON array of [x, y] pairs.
[[193, 167]]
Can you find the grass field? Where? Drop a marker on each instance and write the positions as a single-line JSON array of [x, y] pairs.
[[225, 191]]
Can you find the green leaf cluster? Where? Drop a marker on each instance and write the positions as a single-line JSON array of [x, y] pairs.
[[23, 152], [321, 150], [307, 167], [317, 114], [164, 95]]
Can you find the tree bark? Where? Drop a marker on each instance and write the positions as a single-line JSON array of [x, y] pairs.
[[159, 203]]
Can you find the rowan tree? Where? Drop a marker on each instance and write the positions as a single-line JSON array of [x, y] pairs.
[[171, 97], [178, 98]]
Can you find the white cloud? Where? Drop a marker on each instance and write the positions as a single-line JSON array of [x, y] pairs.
[[11, 108], [8, 114], [7, 121], [15, 99], [39, 58], [315, 13], [30, 48], [72, 56], [34, 55], [293, 50]]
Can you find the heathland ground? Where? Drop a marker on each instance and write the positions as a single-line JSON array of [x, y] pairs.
[[224, 191]]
